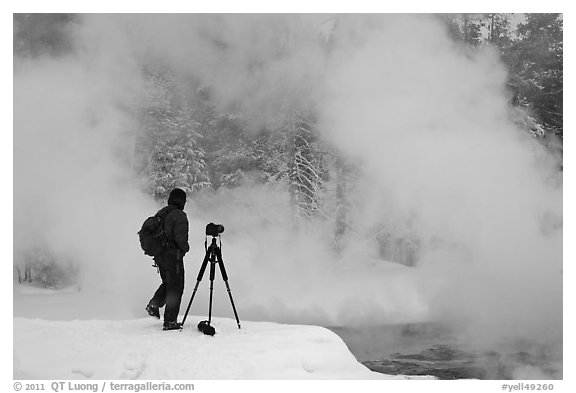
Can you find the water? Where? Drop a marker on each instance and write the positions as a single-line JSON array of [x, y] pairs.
[[440, 351]]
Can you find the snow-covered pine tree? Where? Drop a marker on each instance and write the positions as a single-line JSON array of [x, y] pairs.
[[342, 202], [171, 143], [306, 171], [177, 160], [270, 150], [231, 154], [294, 154]]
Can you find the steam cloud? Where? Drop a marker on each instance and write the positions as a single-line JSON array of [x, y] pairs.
[[427, 119], [430, 123]]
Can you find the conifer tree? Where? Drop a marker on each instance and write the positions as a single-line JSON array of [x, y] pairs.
[[305, 167], [170, 148]]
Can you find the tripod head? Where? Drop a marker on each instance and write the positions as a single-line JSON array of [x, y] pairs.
[[212, 247]]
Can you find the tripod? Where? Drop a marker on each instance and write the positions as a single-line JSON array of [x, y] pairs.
[[214, 256]]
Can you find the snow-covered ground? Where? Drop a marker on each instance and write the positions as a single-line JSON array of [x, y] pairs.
[[78, 347], [139, 349]]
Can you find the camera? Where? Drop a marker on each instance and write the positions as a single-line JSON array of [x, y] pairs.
[[214, 229]]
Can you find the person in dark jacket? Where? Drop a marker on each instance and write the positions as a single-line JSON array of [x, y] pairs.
[[171, 263]]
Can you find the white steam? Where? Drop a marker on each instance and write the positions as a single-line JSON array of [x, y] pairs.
[[427, 120], [72, 190], [430, 123]]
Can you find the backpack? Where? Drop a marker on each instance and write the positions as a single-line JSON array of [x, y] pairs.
[[152, 236]]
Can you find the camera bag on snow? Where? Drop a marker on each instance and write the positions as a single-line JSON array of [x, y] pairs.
[[152, 235], [205, 328]]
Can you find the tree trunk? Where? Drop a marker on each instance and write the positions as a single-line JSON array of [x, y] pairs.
[[341, 200], [19, 274], [28, 272], [291, 151], [304, 169]]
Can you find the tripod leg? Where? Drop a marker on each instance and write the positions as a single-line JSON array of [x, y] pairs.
[[212, 270], [225, 278], [198, 279], [190, 303], [232, 301]]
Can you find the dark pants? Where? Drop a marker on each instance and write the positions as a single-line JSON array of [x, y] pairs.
[[170, 292]]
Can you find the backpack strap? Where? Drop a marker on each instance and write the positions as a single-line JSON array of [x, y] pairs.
[[162, 213]]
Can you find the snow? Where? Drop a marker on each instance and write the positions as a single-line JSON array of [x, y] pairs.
[[56, 337], [75, 334], [139, 349]]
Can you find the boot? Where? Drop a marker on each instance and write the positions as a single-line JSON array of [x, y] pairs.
[[172, 325], [153, 311]]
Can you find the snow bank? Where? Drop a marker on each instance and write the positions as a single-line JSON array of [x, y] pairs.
[[139, 349]]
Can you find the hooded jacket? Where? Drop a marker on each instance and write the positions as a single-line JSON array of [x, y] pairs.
[[176, 222]]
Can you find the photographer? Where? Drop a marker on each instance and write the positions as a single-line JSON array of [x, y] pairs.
[[170, 262]]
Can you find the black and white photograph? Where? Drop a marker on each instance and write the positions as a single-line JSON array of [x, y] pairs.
[[287, 196]]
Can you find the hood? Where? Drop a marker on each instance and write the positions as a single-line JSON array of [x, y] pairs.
[[177, 198]]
